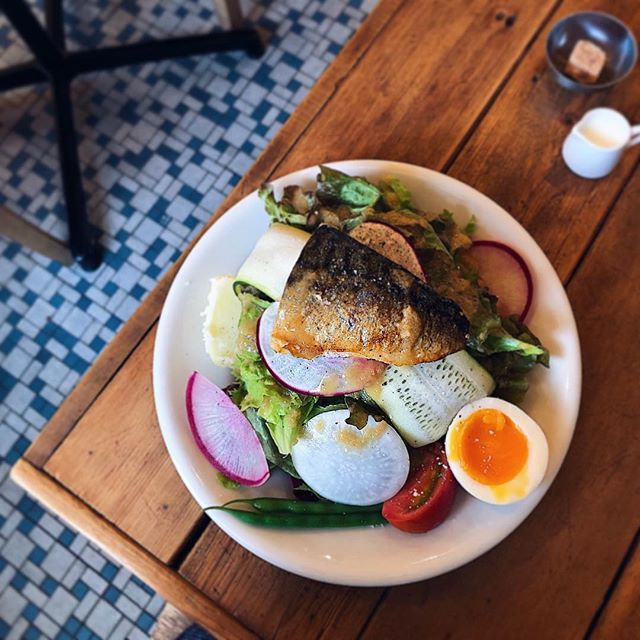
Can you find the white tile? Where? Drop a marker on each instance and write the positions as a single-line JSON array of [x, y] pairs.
[[18, 629], [17, 548], [11, 605], [60, 605], [46, 626], [103, 619], [57, 562]]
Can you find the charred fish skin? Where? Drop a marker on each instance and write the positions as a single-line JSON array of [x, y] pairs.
[[344, 297]]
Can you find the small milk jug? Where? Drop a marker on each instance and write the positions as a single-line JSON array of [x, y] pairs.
[[596, 143]]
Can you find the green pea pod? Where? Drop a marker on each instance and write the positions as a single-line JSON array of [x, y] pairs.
[[285, 520], [278, 505]]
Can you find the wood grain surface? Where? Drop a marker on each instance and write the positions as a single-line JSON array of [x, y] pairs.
[[462, 87], [115, 460], [620, 618], [514, 155], [416, 95]]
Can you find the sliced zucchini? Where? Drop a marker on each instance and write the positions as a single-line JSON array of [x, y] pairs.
[[268, 266]]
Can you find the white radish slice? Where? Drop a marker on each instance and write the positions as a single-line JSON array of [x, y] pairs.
[[322, 376], [505, 273], [390, 243], [223, 434], [349, 465]]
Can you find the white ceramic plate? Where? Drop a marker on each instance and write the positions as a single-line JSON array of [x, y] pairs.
[[367, 556]]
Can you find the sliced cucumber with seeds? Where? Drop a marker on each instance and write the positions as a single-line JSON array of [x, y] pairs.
[[422, 400]]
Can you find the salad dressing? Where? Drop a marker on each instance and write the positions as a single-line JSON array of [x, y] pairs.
[[359, 438]]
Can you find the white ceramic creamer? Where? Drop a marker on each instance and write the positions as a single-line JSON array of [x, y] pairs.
[[596, 143]]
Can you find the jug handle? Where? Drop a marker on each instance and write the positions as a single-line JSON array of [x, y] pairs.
[[635, 135]]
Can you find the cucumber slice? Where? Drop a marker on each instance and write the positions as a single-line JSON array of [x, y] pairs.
[[268, 266], [221, 317], [422, 400]]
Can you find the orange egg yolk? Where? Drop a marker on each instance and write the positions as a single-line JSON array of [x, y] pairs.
[[492, 449]]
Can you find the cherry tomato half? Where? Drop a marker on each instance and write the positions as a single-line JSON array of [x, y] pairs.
[[426, 497]]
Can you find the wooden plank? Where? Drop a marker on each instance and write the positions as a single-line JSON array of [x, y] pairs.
[[146, 566], [621, 617], [229, 13], [272, 602], [115, 460], [549, 577], [147, 313], [20, 230], [418, 93], [514, 155]]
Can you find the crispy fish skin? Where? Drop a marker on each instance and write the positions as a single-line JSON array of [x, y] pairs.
[[342, 296]]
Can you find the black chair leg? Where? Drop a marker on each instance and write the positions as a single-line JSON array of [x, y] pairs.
[[83, 237], [53, 64]]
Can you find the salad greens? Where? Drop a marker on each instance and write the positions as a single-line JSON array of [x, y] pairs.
[[504, 346]]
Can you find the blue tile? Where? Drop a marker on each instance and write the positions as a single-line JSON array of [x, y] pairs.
[[112, 594], [67, 537], [18, 582], [48, 585], [144, 621], [79, 589], [30, 612], [37, 555], [109, 571], [72, 625], [32, 633]]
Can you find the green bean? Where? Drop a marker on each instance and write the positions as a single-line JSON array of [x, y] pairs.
[[288, 520], [275, 505]]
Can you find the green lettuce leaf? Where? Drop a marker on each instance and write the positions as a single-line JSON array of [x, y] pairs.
[[282, 410], [335, 187], [282, 211], [395, 195]]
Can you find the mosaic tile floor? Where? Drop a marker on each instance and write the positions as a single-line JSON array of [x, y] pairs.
[[161, 146]]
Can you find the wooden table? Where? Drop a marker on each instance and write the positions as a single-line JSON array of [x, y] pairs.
[[461, 87]]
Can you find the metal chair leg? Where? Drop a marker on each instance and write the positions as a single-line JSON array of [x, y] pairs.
[[83, 237], [53, 64]]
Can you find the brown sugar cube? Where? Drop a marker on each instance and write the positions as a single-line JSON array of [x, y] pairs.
[[586, 61]]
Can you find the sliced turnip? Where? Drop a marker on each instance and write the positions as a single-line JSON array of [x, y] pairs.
[[389, 242], [349, 465], [505, 273], [322, 376], [223, 434]]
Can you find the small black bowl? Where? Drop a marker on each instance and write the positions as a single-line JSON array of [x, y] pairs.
[[604, 30]]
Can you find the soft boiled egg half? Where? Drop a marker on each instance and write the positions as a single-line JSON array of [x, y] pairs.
[[496, 451]]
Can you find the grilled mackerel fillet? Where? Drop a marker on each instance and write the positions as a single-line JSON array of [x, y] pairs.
[[344, 297]]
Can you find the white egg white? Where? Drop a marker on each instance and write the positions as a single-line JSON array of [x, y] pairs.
[[349, 465], [526, 480]]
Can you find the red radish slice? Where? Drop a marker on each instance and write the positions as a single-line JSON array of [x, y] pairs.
[[505, 273], [391, 244], [223, 434], [323, 376]]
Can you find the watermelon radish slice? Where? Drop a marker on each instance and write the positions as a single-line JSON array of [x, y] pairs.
[[321, 376], [390, 243], [505, 273], [223, 434]]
